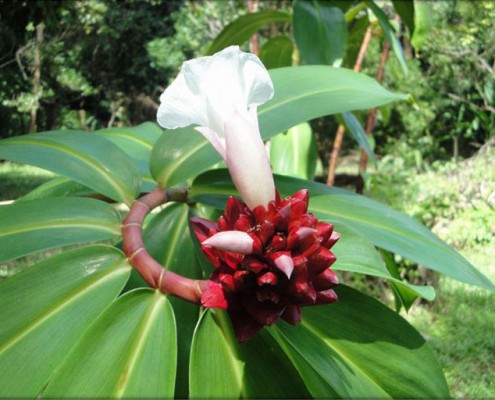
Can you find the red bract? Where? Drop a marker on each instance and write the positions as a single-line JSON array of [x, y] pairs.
[[286, 268]]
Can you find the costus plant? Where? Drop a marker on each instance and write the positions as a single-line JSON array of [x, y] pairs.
[[164, 274]]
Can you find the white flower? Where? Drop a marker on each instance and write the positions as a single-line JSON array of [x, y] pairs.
[[220, 94]]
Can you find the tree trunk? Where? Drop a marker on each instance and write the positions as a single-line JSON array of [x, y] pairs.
[[33, 126], [252, 6], [339, 135], [370, 123]]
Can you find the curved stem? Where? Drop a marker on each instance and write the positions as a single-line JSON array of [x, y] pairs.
[[152, 272]]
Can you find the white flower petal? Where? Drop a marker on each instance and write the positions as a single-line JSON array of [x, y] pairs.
[[180, 107], [234, 241], [248, 162]]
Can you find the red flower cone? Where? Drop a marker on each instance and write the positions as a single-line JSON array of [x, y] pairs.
[[269, 262]]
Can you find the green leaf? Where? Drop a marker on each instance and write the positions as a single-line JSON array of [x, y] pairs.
[[312, 91], [129, 351], [357, 132], [356, 254], [277, 52], [320, 32], [240, 30], [137, 142], [169, 241], [294, 152], [405, 9], [35, 225], [215, 371], [58, 187], [46, 308], [179, 155], [381, 225], [388, 30], [360, 348], [301, 94], [81, 156], [422, 23], [404, 297], [222, 368]]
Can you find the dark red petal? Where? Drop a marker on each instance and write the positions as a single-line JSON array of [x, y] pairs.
[[245, 326], [298, 235], [213, 296], [266, 313], [227, 282], [223, 224], [332, 240], [211, 255], [278, 243], [257, 244], [203, 228], [254, 265], [292, 314], [324, 231], [318, 262], [267, 293], [240, 279], [326, 297], [268, 278], [306, 299], [233, 209], [326, 280], [244, 223], [260, 213], [266, 231]]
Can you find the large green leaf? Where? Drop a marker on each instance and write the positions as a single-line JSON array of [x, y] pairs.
[[35, 225], [312, 91], [381, 225], [356, 254], [389, 32], [320, 32], [294, 152], [360, 348], [137, 142], [301, 94], [58, 187], [277, 52], [222, 368], [129, 351], [240, 30], [82, 156], [168, 240], [46, 308]]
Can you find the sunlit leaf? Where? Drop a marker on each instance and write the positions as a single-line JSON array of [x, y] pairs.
[[137, 142], [277, 52], [294, 152], [240, 30], [82, 156], [222, 368], [129, 351], [35, 225], [46, 308], [320, 32], [353, 349]]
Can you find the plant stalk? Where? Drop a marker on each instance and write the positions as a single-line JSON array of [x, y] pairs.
[[152, 272]]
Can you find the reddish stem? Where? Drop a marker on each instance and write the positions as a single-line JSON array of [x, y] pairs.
[[152, 272]]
